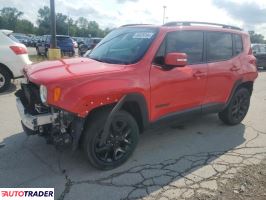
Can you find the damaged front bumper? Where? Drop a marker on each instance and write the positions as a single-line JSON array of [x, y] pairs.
[[57, 126], [33, 122]]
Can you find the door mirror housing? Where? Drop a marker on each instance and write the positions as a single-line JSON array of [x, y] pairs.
[[176, 59]]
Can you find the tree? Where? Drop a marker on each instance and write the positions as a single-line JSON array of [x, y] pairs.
[[44, 20], [9, 18], [25, 26], [61, 24], [256, 38]]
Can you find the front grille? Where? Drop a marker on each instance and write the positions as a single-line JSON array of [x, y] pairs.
[[30, 97]]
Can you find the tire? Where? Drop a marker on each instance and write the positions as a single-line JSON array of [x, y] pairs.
[[5, 79], [46, 53], [237, 108], [119, 145], [38, 52]]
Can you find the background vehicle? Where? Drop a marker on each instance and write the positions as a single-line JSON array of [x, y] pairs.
[[64, 42], [259, 51], [88, 44], [136, 76], [22, 38], [33, 41], [75, 43], [13, 58]]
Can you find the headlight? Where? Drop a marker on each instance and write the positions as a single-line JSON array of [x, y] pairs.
[[43, 93]]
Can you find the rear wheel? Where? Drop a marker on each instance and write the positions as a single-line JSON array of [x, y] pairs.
[[120, 143], [38, 51], [5, 79], [237, 109]]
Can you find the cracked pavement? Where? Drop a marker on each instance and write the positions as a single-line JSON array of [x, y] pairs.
[[178, 161]]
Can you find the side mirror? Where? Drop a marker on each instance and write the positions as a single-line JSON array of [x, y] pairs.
[[176, 59]]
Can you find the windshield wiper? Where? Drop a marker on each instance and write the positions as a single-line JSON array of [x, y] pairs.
[[111, 61], [97, 59]]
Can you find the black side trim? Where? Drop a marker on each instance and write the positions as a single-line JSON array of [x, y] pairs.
[[189, 113], [140, 99], [178, 116], [237, 83], [134, 97], [212, 108]]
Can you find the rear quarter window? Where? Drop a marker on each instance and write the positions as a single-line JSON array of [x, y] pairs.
[[219, 46], [238, 44]]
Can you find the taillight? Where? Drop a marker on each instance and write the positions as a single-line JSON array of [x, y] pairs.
[[253, 62], [19, 50]]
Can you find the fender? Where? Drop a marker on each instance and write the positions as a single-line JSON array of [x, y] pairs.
[[133, 97]]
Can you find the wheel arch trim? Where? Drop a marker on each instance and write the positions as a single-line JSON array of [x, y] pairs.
[[132, 97]]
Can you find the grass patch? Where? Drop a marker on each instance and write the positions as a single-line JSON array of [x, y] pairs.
[[36, 58]]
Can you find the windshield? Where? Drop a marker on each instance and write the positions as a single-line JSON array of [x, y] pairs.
[[124, 45]]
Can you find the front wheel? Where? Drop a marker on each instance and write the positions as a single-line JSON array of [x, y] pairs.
[[5, 79], [121, 141], [237, 109]]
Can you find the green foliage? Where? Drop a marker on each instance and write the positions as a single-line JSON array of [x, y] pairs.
[[44, 20], [256, 38], [10, 18]]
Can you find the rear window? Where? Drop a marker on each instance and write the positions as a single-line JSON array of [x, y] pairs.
[[220, 46], [63, 39]]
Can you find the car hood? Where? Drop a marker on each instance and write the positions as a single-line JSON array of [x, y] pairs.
[[60, 70]]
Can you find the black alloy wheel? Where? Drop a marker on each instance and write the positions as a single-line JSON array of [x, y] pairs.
[[120, 143], [237, 109]]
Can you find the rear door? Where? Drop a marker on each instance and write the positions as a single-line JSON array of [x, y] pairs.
[[180, 88], [224, 66]]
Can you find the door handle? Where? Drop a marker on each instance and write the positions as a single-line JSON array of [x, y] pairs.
[[199, 74], [235, 68]]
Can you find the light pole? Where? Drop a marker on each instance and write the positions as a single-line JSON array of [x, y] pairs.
[[164, 8], [53, 51], [53, 25], [68, 23]]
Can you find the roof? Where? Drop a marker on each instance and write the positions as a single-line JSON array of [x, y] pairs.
[[6, 32], [188, 25]]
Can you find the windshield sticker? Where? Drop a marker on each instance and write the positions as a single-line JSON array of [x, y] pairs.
[[143, 35]]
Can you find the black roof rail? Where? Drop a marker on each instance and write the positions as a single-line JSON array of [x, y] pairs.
[[189, 23], [133, 25]]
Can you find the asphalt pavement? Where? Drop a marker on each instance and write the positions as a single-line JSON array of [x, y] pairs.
[[172, 162]]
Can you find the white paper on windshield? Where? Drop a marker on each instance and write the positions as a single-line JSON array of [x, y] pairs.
[[143, 35]]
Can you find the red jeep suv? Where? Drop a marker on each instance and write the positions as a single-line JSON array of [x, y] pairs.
[[136, 76]]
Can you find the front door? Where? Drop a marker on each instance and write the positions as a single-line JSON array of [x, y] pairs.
[[180, 88]]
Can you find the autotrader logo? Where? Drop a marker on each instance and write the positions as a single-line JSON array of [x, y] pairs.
[[27, 193]]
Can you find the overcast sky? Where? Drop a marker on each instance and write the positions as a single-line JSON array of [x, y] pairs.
[[248, 14]]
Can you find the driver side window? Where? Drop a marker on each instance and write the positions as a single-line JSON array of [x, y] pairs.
[[189, 42]]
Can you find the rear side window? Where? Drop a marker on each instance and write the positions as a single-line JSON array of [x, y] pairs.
[[219, 46], [13, 38], [189, 42], [238, 44]]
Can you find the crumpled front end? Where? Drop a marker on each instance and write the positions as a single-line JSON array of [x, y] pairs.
[[56, 125]]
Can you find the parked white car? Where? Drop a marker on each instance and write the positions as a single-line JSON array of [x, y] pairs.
[[13, 57]]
